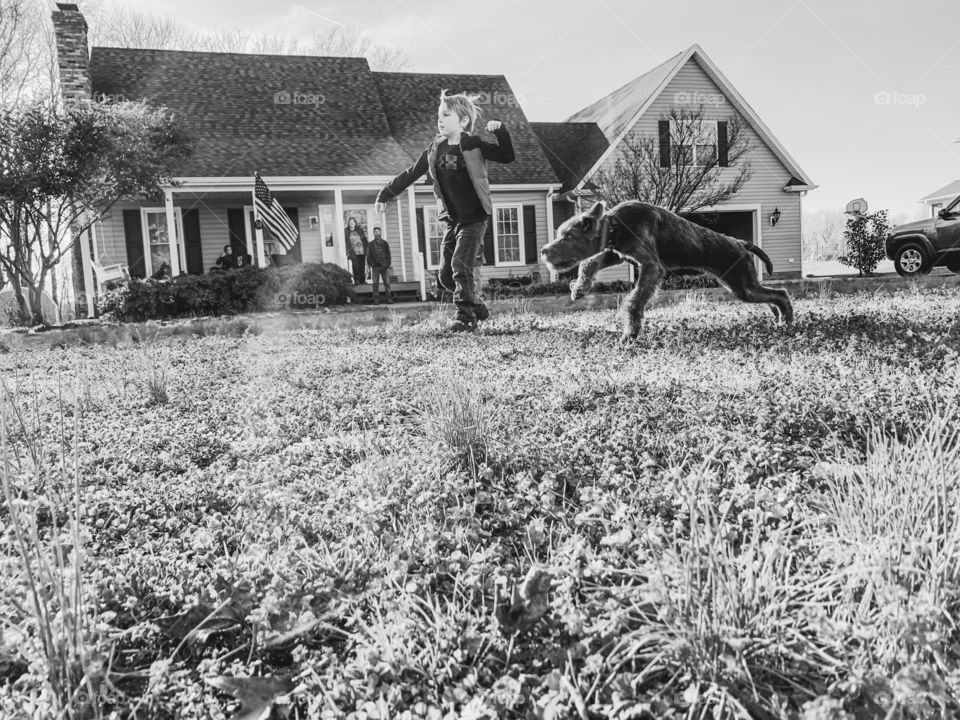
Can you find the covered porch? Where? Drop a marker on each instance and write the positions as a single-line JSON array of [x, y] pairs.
[[207, 214]]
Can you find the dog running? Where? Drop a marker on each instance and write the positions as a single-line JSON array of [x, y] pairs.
[[657, 239]]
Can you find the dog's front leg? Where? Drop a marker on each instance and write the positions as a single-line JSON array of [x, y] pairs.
[[588, 271], [633, 306]]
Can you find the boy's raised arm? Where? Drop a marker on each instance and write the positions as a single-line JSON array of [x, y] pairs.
[[502, 150], [404, 180]]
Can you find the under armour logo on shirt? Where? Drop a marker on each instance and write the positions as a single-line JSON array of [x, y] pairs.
[[450, 161]]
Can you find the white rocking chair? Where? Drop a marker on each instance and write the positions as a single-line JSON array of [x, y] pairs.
[[110, 273]]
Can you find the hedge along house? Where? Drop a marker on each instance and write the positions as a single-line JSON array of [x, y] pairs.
[[766, 210], [325, 133]]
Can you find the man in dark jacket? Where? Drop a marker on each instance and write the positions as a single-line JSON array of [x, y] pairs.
[[378, 258]]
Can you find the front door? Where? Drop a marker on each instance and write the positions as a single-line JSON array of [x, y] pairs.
[[948, 226], [365, 218]]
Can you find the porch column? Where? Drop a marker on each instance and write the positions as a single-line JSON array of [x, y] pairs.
[[88, 283], [553, 273], [258, 242], [403, 254], [338, 229], [418, 272], [175, 265]]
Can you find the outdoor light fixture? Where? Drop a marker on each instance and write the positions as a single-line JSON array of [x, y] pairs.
[[775, 217]]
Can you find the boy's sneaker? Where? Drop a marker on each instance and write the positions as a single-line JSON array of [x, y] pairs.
[[481, 311], [464, 326]]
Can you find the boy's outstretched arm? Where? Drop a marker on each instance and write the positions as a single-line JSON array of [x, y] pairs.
[[404, 180], [502, 150]]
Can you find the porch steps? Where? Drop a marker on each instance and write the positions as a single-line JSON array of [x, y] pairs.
[[400, 291]]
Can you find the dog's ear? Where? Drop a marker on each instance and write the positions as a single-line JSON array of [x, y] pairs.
[[591, 217]]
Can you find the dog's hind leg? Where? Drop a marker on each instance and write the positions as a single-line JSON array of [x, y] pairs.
[[588, 271], [744, 283], [636, 302]]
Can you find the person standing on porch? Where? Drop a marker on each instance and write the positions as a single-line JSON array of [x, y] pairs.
[[457, 163], [357, 250], [378, 258]]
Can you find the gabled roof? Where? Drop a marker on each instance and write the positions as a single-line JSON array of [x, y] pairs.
[[410, 101], [950, 190], [619, 111], [288, 115], [571, 147]]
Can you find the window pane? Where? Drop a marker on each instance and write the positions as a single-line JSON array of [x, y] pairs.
[[159, 246], [706, 154], [434, 231], [508, 235], [683, 155]]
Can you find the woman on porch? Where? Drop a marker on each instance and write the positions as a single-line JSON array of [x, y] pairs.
[[357, 244]]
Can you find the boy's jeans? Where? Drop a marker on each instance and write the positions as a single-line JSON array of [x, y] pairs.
[[459, 250]]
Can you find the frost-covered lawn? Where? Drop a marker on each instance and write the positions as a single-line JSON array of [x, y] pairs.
[[393, 521]]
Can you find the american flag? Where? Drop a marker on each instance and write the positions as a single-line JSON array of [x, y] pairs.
[[273, 216]]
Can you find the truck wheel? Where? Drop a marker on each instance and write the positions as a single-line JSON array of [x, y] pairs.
[[911, 260]]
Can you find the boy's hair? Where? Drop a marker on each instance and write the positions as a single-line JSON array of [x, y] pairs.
[[464, 105], [377, 227]]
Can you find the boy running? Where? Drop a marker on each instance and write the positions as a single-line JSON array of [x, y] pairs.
[[456, 161]]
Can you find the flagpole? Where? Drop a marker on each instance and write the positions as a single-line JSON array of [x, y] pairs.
[[257, 232]]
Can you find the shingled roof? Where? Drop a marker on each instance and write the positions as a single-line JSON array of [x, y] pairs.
[[410, 102], [287, 115], [571, 147]]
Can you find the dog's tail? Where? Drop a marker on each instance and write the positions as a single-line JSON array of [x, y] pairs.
[[760, 254]]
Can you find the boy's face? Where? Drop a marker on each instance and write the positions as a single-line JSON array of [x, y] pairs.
[[449, 123]]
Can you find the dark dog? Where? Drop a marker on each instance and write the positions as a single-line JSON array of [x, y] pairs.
[[655, 239]]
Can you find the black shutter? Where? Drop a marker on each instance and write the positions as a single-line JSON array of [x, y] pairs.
[[133, 234], [294, 254], [422, 237], [722, 145], [238, 231], [530, 233], [489, 252], [191, 242], [665, 143]]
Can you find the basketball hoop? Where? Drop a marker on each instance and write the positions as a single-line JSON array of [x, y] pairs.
[[856, 206]]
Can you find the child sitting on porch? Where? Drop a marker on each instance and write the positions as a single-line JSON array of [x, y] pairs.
[[456, 161]]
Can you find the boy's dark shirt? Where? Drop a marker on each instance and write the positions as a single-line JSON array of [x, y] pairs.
[[500, 151], [460, 198]]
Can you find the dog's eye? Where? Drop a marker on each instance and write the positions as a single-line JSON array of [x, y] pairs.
[[586, 223]]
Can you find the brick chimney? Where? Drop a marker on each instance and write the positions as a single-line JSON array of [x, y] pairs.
[[73, 57]]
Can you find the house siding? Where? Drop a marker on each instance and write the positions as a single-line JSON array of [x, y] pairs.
[[768, 174], [537, 198], [214, 233]]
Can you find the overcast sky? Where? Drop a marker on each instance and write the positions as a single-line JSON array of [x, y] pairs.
[[812, 69]]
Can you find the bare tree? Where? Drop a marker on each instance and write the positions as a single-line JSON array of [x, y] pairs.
[[697, 174], [823, 234], [27, 71], [119, 26]]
